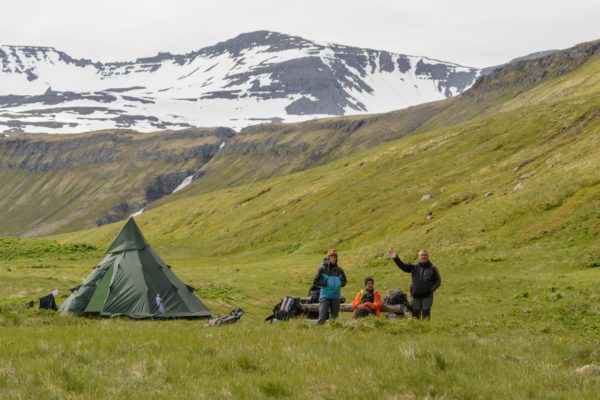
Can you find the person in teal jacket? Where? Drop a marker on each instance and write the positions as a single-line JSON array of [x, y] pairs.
[[330, 278]]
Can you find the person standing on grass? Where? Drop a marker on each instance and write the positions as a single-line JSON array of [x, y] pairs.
[[367, 301], [330, 278], [426, 279]]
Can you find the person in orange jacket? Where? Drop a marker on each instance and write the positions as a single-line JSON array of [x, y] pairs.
[[367, 301]]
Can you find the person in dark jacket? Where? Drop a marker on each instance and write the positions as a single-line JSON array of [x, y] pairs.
[[426, 279], [330, 278]]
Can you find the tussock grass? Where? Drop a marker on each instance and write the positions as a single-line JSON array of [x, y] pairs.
[[79, 358]]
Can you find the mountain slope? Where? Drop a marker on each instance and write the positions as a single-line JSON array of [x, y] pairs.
[[56, 183], [538, 163], [72, 174], [265, 151], [523, 174], [258, 76]]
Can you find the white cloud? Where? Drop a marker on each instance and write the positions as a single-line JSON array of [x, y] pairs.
[[474, 33]]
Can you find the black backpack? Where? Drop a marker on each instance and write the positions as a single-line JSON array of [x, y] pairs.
[[288, 308], [396, 297], [313, 294]]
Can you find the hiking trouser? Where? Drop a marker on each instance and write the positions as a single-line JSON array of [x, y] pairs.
[[362, 312], [328, 308], [422, 306]]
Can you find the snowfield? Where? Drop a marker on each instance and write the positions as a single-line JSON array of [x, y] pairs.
[[257, 77]]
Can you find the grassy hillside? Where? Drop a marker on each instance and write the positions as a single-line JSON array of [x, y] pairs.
[[513, 226], [58, 184], [267, 151], [373, 197], [55, 183]]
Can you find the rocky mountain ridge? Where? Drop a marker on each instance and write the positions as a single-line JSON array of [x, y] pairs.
[[256, 77], [60, 183]]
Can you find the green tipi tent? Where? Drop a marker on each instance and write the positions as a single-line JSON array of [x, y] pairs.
[[133, 281]]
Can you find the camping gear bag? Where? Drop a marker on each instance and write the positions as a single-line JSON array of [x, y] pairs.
[[232, 318], [395, 297], [288, 308], [313, 294], [48, 303]]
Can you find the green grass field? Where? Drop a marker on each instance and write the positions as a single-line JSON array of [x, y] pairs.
[[514, 325], [517, 314]]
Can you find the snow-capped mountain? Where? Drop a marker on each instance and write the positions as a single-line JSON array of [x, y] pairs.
[[256, 77]]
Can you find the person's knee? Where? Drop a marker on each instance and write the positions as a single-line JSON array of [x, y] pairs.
[[323, 312], [335, 309], [361, 313]]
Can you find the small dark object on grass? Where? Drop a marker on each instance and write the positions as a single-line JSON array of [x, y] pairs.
[[48, 302], [313, 293], [232, 318], [288, 308], [397, 297]]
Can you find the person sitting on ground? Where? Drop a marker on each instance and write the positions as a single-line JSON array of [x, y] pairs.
[[426, 279], [367, 301], [330, 278]]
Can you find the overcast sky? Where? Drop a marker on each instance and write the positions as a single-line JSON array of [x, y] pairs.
[[473, 33]]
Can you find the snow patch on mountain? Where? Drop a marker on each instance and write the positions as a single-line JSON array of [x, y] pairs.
[[257, 77]]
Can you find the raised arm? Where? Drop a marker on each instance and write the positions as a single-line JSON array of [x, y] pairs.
[[403, 266]]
